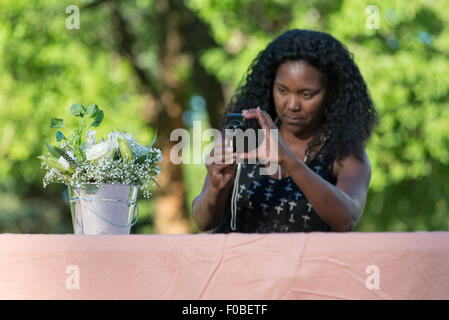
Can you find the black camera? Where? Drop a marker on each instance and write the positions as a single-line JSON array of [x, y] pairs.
[[241, 133]]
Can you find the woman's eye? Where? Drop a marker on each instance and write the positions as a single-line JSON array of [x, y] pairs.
[[281, 91], [307, 95]]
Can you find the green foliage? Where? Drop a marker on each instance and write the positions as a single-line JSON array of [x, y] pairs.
[[125, 151], [89, 162], [44, 67], [78, 136], [405, 64], [52, 150]]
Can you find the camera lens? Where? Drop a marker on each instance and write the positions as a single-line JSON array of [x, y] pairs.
[[235, 128], [234, 124]]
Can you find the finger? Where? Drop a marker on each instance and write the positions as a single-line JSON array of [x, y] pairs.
[[225, 161], [248, 155], [262, 118], [229, 160], [223, 150], [219, 149], [269, 122], [255, 113], [221, 144], [249, 112], [267, 118], [222, 159]]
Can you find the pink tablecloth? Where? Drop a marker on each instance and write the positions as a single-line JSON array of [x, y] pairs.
[[235, 266]]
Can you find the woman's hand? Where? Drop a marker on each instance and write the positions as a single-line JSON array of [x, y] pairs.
[[272, 148], [221, 166]]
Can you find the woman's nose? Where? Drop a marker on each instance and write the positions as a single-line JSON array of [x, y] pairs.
[[293, 103]]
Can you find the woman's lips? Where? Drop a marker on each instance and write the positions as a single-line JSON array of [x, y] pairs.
[[292, 120]]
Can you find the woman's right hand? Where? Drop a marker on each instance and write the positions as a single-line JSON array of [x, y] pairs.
[[221, 166]]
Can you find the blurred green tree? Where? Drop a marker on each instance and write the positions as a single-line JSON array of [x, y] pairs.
[[142, 61], [44, 69], [134, 59], [404, 61]]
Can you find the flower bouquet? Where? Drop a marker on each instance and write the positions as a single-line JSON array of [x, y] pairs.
[[103, 177]]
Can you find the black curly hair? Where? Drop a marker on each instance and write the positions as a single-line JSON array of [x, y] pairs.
[[349, 113]]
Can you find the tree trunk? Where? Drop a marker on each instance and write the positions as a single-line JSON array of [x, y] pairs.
[[171, 208], [183, 36]]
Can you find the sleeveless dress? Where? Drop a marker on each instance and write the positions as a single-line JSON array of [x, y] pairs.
[[266, 205]]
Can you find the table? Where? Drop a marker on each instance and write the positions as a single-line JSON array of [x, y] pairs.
[[408, 265]]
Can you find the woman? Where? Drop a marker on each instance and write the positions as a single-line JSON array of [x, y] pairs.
[[309, 84]]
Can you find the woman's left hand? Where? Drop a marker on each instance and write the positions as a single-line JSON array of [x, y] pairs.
[[272, 148]]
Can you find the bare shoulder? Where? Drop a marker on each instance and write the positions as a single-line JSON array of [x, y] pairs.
[[353, 166]]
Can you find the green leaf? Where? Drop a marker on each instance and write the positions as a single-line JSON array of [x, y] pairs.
[[79, 154], [125, 150], [92, 110], [51, 150], [154, 139], [98, 119], [77, 110], [66, 156], [154, 180], [53, 163], [141, 159], [57, 123], [60, 136], [116, 155]]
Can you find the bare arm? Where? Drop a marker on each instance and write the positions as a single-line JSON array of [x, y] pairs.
[[209, 207], [340, 206]]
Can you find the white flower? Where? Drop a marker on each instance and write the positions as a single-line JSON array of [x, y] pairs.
[[64, 163], [101, 167], [90, 139], [70, 153], [112, 136], [104, 149]]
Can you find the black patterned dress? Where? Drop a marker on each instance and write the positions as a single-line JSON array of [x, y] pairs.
[[266, 205]]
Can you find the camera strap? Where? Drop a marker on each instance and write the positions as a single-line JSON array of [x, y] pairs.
[[235, 191]]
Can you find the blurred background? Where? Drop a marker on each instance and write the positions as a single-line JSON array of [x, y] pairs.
[[166, 63]]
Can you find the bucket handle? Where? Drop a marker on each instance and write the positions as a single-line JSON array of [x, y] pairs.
[[93, 210]]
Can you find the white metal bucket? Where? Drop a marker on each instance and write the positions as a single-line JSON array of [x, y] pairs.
[[103, 208]]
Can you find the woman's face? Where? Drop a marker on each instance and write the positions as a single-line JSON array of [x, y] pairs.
[[298, 97]]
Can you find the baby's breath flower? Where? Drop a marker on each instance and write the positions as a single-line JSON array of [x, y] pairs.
[[105, 168]]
